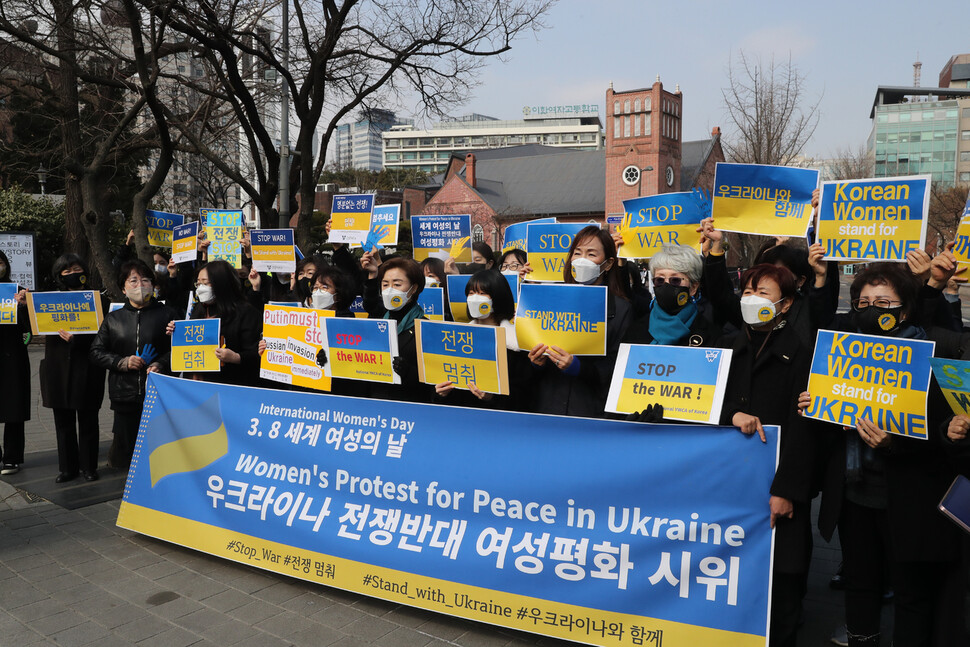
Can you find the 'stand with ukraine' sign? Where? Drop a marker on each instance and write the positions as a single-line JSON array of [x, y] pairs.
[[572, 317], [293, 337], [880, 379], [547, 246], [953, 376], [762, 199], [688, 381], [873, 220], [409, 503], [657, 220], [463, 354], [74, 312], [273, 250]]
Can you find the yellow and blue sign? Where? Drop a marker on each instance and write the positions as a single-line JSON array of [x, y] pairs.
[[384, 220], [357, 307], [763, 199], [185, 242], [350, 217], [194, 344], [953, 376], [515, 236], [547, 246], [880, 379], [457, 301], [572, 317], [361, 349], [160, 227], [403, 502], [293, 336], [75, 312], [223, 229], [273, 250], [442, 235], [687, 380], [432, 301], [8, 303], [463, 354], [961, 243], [653, 221], [873, 220]]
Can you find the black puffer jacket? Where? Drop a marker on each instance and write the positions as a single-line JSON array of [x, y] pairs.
[[126, 332]]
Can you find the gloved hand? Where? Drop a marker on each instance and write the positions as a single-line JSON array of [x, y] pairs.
[[653, 413], [322, 357]]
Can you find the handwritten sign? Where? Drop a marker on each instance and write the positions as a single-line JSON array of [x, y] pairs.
[[361, 349], [516, 235], [273, 250], [160, 226], [293, 337], [953, 376], [350, 217], [194, 344], [547, 246], [657, 220], [8, 303], [185, 242], [873, 220], [688, 381], [75, 312], [463, 354], [223, 229], [572, 317], [442, 235], [880, 379], [762, 199]]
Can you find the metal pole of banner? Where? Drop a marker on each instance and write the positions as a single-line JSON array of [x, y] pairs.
[[643, 172], [284, 209]]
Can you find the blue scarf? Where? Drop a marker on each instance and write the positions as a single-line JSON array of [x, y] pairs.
[[670, 330]]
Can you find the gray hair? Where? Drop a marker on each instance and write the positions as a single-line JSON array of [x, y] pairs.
[[679, 258]]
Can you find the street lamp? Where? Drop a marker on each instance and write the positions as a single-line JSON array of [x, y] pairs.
[[42, 178], [640, 182]]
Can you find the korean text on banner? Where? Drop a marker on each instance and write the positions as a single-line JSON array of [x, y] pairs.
[[657, 220], [547, 246], [350, 217], [75, 312], [8, 303], [361, 349], [404, 502], [21, 251], [194, 344], [463, 354], [572, 317], [389, 216], [881, 379], [357, 307], [873, 220], [515, 236], [223, 229], [688, 381], [953, 376], [961, 246], [457, 301], [765, 200], [441, 235], [273, 250], [185, 242], [160, 227], [432, 301], [293, 337]]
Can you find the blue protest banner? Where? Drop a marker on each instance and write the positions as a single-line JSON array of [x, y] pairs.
[[185, 242], [763, 199], [457, 301], [432, 301], [442, 236], [8, 303], [360, 349], [547, 246], [76, 312], [160, 227], [572, 317], [194, 345], [409, 503], [653, 221], [273, 250], [515, 236], [224, 230]]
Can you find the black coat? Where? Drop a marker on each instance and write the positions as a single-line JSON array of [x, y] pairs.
[[241, 328], [15, 369], [125, 332], [68, 379]]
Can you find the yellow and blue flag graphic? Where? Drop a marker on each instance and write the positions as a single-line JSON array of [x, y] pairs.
[[8, 303], [194, 344], [161, 226], [547, 246], [763, 199], [361, 349], [664, 219], [177, 450], [273, 250], [463, 354], [223, 229]]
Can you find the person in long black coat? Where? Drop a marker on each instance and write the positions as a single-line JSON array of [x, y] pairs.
[[71, 385], [14, 380]]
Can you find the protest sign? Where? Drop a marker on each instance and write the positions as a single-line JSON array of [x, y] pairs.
[[873, 220], [293, 336], [75, 312], [547, 246], [185, 242], [515, 236], [194, 344], [361, 349], [457, 301], [463, 354], [572, 317], [223, 229], [8, 303], [687, 380], [442, 236], [357, 307], [953, 376], [21, 251], [762, 199], [961, 244], [350, 217], [273, 250], [432, 301], [653, 221], [881, 379], [385, 218], [445, 509], [160, 227]]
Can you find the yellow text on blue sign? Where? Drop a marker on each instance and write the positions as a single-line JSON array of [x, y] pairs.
[[762, 199], [74, 312], [953, 376], [880, 379], [547, 245], [572, 317], [961, 244], [463, 354], [194, 345], [160, 227], [8, 303], [653, 221], [223, 229]]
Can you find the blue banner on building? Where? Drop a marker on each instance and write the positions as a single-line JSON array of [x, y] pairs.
[[621, 535]]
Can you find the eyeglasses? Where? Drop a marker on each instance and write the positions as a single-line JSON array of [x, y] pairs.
[[511, 266], [201, 282], [862, 304], [134, 281], [675, 281]]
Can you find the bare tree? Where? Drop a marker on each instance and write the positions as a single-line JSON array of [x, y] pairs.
[[849, 164], [946, 206]]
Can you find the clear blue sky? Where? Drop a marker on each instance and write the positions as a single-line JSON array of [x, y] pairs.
[[845, 49]]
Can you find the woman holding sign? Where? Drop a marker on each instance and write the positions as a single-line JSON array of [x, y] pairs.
[[14, 376], [568, 385]]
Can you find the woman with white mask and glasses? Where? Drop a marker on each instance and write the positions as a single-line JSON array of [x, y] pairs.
[[566, 384]]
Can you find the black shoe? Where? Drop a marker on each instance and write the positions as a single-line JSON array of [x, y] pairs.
[[9, 468], [91, 476], [64, 477]]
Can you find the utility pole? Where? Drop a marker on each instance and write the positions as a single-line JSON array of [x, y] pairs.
[[284, 209]]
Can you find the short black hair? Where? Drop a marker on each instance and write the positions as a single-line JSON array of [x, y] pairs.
[[141, 269], [485, 250], [492, 283], [437, 267], [412, 270], [63, 262], [895, 275], [519, 254], [342, 283], [792, 257]]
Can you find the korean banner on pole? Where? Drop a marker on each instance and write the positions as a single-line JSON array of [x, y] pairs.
[[21, 251], [762, 199], [409, 503]]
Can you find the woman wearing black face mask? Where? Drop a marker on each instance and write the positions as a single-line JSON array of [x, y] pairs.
[[673, 317]]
